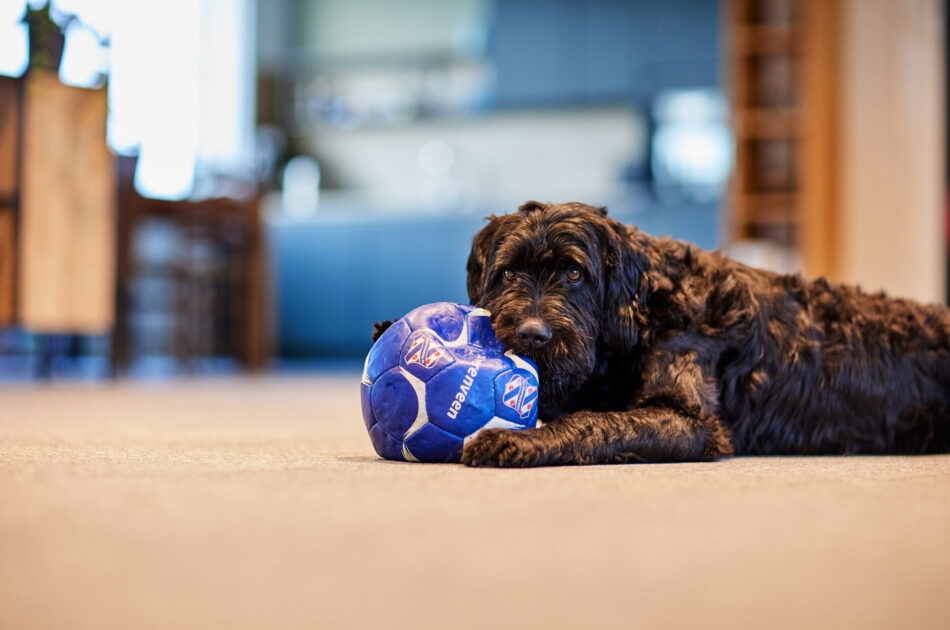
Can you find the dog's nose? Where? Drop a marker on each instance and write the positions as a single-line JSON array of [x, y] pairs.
[[533, 333]]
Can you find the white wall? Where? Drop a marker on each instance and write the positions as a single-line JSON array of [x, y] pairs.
[[892, 147], [344, 28], [503, 159]]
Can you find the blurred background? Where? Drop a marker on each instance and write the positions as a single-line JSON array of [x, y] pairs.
[[213, 186]]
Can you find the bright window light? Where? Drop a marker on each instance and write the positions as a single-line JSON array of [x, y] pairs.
[[83, 58], [13, 40], [181, 81]]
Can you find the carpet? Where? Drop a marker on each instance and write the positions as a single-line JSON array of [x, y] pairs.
[[257, 502]]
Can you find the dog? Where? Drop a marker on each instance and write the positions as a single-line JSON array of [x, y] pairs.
[[653, 350]]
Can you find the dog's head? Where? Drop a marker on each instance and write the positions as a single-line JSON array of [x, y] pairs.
[[561, 282]]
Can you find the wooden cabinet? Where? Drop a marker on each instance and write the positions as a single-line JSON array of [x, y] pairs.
[[57, 207]]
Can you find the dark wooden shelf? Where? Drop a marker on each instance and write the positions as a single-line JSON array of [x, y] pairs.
[[768, 122], [784, 84], [768, 208], [764, 39]]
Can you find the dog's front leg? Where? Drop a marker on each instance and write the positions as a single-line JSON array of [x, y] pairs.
[[654, 432], [671, 421]]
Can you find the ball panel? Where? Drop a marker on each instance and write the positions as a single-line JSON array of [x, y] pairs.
[[516, 397], [432, 444], [523, 363], [385, 352], [368, 417], [394, 402], [444, 318], [385, 445], [424, 355], [458, 402], [480, 333]]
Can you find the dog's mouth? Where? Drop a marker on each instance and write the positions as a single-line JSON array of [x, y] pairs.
[[556, 384], [563, 347], [564, 362]]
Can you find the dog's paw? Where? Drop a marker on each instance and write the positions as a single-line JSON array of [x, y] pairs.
[[500, 448]]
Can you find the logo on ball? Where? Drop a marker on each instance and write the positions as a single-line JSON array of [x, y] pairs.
[[425, 350], [520, 395]]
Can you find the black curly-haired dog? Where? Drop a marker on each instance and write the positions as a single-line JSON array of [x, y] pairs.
[[652, 350]]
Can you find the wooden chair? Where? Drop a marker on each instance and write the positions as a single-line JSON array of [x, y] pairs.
[[220, 303]]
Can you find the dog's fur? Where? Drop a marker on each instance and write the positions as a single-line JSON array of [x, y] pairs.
[[663, 352]]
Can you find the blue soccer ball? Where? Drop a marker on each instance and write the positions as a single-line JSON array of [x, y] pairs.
[[436, 378]]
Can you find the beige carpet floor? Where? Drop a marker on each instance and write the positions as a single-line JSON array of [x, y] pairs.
[[258, 503]]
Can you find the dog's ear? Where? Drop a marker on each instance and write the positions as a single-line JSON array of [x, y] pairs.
[[624, 280], [530, 206], [483, 249], [379, 328]]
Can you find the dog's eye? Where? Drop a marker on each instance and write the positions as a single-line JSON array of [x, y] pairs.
[[508, 275], [573, 275]]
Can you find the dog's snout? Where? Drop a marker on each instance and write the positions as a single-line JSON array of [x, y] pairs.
[[533, 333]]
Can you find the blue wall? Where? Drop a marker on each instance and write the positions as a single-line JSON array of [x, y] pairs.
[[569, 51]]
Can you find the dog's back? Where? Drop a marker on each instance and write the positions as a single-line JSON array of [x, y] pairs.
[[820, 367]]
